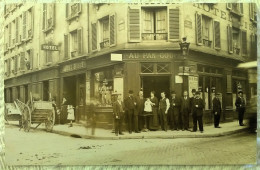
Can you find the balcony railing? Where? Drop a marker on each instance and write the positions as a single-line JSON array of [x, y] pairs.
[[207, 43], [104, 44], [236, 50], [154, 36]]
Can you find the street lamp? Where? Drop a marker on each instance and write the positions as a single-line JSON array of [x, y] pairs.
[[184, 45]]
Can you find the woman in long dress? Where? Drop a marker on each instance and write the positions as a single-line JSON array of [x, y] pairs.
[[154, 120]]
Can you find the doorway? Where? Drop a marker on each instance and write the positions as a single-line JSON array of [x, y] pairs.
[[69, 90], [45, 90], [157, 84]]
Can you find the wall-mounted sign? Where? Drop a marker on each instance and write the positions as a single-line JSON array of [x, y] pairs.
[[74, 66], [116, 57], [147, 56], [188, 24], [50, 47]]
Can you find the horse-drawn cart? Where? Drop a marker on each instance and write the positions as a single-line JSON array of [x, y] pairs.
[[37, 112]]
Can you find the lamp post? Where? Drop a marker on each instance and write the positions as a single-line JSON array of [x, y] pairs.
[[184, 45]]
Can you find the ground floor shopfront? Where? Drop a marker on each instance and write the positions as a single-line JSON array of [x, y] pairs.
[[93, 80]]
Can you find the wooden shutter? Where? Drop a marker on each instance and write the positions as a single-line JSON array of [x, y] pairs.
[[229, 5], [94, 36], [22, 61], [31, 59], [10, 34], [67, 10], [66, 46], [174, 24], [16, 29], [32, 21], [79, 38], [15, 63], [244, 43], [44, 14], [217, 34], [241, 8], [253, 46], [134, 34], [112, 28], [198, 28], [230, 39], [24, 25]]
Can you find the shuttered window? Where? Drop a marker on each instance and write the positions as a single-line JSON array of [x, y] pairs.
[[10, 34], [253, 46], [134, 25], [198, 28], [230, 39], [94, 36], [66, 46], [244, 43], [22, 61], [252, 11], [112, 27], [15, 63], [44, 14], [80, 46], [30, 23], [217, 34], [48, 16], [31, 56], [174, 23], [24, 24], [17, 29]]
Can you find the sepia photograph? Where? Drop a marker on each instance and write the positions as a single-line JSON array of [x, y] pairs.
[[142, 83]]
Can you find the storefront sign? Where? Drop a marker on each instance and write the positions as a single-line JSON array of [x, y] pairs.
[[147, 56], [74, 66], [178, 79], [116, 57], [50, 47]]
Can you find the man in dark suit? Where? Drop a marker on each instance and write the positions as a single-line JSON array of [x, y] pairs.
[[139, 109], [197, 107], [175, 118], [241, 107], [118, 112], [130, 105], [185, 110], [216, 110], [164, 106], [193, 91]]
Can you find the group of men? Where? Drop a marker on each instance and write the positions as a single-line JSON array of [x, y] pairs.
[[173, 112]]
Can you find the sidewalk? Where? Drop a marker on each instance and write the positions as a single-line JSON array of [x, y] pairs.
[[209, 131]]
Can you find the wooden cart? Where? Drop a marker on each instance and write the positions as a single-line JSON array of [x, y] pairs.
[[37, 112]]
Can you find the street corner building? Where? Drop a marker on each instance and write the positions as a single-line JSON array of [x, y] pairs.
[[85, 52]]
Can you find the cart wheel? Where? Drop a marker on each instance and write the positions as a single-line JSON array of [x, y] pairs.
[[26, 119], [50, 121]]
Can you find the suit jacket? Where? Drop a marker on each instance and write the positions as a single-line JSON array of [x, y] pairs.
[[177, 102], [240, 104], [118, 109], [191, 104], [185, 105], [129, 103], [216, 106], [139, 108], [198, 110]]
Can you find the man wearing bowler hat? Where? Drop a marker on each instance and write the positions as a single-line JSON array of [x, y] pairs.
[[241, 107], [216, 110], [197, 107]]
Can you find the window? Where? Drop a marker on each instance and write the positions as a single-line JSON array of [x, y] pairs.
[[236, 40], [48, 16], [253, 12], [154, 26], [253, 46], [104, 32], [155, 68], [6, 38], [30, 23], [236, 8], [10, 35], [13, 33], [73, 10], [207, 31], [20, 23], [74, 43]]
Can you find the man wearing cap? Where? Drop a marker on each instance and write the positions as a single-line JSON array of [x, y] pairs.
[[240, 104], [197, 107], [175, 103], [118, 111], [164, 106], [130, 105], [216, 110]]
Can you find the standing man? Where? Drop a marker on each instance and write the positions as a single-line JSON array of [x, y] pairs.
[[240, 104], [193, 91], [197, 107], [139, 109], [129, 108], [216, 110], [164, 106], [118, 114], [185, 110], [175, 111]]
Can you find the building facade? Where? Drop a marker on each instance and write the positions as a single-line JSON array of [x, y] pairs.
[[84, 52]]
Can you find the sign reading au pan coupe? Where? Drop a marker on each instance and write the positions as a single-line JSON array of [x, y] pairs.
[[50, 47]]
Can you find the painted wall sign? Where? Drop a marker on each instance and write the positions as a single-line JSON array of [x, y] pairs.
[[49, 47], [188, 24], [74, 66], [147, 56]]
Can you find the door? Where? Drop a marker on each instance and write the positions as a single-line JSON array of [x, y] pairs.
[[81, 97]]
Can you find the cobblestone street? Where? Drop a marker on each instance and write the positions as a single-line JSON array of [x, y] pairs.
[[41, 148]]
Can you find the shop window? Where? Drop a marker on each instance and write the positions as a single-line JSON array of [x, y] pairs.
[[103, 87], [207, 31], [104, 32], [154, 24], [147, 67]]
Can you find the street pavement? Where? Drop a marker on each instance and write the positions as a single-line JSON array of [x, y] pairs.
[[38, 147]]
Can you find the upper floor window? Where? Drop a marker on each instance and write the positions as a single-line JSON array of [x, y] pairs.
[[154, 23], [253, 12], [48, 16], [104, 32], [73, 10], [207, 32], [236, 8], [73, 44]]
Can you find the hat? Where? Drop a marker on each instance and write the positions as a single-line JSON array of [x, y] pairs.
[[130, 92], [193, 90], [240, 92], [197, 92], [173, 92]]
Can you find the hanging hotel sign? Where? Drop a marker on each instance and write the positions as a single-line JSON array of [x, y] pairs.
[[50, 47], [74, 66], [148, 56]]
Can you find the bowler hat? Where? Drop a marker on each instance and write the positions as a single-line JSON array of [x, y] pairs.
[[193, 90], [130, 92]]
